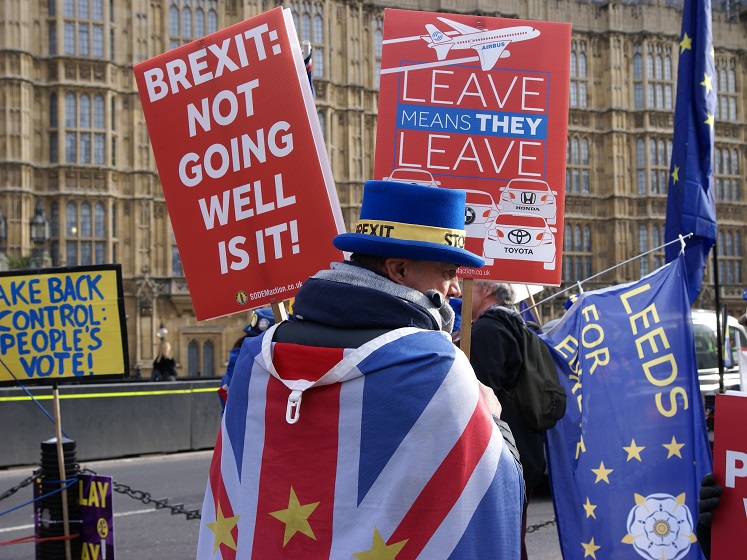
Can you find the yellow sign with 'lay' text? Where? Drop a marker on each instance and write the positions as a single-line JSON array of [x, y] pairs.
[[62, 323]]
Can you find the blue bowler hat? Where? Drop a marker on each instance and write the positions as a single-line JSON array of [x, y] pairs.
[[404, 220]]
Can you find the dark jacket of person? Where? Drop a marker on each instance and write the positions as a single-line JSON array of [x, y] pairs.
[[496, 356], [164, 369]]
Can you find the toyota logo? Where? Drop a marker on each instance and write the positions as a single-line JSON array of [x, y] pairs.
[[469, 215], [528, 197], [519, 236]]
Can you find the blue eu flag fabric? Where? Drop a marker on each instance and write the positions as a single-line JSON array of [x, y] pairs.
[[627, 458], [691, 207]]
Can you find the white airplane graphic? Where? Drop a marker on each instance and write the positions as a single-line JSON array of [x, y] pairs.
[[489, 44]]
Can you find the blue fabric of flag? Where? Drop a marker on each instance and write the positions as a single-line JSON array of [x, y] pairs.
[[626, 461], [691, 206]]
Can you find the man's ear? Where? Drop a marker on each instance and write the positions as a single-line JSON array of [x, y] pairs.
[[396, 269]]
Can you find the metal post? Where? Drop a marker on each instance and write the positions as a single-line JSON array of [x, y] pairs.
[[51, 510]]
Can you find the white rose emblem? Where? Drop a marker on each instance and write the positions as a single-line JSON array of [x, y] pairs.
[[660, 527]]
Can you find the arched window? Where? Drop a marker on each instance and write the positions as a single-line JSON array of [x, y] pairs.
[[208, 357], [193, 359]]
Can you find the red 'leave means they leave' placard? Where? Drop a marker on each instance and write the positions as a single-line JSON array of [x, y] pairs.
[[481, 104]]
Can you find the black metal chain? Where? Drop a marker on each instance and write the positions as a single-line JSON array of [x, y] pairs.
[[539, 526], [147, 499], [20, 485]]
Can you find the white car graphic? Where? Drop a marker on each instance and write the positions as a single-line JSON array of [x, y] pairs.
[[414, 176], [479, 212], [523, 237], [529, 196]]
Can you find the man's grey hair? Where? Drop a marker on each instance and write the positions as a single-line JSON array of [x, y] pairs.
[[503, 294]]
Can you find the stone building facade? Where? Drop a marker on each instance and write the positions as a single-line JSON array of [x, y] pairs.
[[73, 139]]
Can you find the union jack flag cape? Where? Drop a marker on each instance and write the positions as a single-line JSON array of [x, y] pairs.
[[384, 451]]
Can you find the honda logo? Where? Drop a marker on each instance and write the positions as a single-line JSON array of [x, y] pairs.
[[528, 197]]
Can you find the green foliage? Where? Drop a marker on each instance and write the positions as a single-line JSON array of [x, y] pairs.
[[19, 263]]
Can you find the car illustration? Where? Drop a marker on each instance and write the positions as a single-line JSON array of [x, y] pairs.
[[479, 212], [412, 175], [519, 236], [530, 196]]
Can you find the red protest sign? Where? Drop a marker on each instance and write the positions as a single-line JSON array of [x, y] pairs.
[[730, 468], [241, 158], [481, 104]]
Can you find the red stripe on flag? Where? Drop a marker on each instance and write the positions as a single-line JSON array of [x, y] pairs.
[[445, 487], [301, 455]]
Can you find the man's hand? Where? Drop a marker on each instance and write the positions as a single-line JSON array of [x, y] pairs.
[[494, 405]]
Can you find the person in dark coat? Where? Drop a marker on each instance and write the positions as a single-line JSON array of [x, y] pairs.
[[164, 366], [496, 356]]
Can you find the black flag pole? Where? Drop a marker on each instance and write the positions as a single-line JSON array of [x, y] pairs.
[[719, 339]]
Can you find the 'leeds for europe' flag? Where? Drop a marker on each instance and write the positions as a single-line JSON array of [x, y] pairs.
[[691, 207], [384, 451], [627, 458]]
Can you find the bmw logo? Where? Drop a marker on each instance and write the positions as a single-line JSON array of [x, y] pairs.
[[519, 236], [469, 215], [241, 297]]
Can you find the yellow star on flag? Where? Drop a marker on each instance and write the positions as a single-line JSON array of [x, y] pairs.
[[380, 550], [295, 517], [221, 528], [634, 451], [710, 120], [602, 473], [686, 43], [590, 549], [707, 82], [673, 448], [676, 174], [589, 509]]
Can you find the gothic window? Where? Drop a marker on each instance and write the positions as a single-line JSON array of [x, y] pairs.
[[659, 84], [193, 359], [652, 157], [191, 19], [726, 108], [652, 74], [378, 45], [655, 259], [176, 259], [82, 238], [320, 116], [83, 28], [726, 170], [638, 77], [318, 40], [577, 169], [642, 248], [579, 81], [208, 359], [85, 136], [295, 11], [52, 37], [730, 256], [201, 358], [577, 252]]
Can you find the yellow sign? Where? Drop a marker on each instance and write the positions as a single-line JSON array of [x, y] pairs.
[[62, 323]]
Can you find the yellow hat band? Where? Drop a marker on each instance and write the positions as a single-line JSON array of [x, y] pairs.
[[412, 232]]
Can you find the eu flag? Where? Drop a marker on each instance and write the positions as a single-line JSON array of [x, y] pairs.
[[691, 207], [626, 460]]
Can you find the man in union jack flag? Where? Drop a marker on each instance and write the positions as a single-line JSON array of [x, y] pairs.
[[359, 431]]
